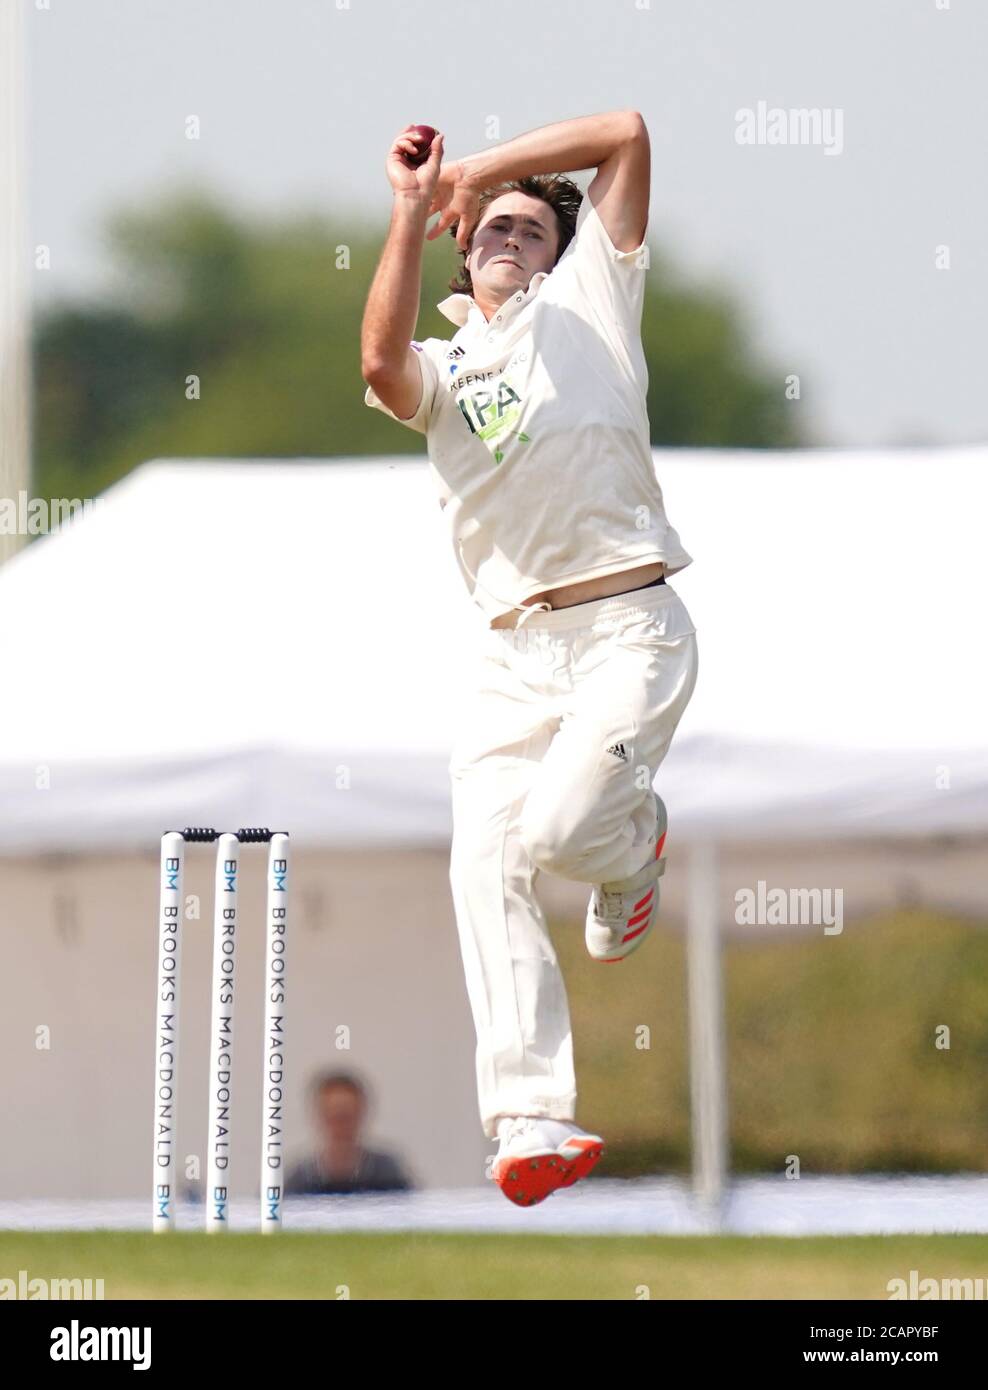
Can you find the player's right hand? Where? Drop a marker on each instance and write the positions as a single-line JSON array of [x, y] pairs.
[[422, 180]]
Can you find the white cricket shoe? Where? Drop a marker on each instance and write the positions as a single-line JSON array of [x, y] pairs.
[[537, 1156], [621, 914]]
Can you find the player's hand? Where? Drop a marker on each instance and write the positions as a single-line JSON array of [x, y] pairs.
[[420, 181], [456, 200]]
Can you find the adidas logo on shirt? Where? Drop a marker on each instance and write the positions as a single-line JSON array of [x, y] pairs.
[[619, 752]]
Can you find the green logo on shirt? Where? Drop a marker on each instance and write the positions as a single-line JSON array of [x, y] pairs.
[[491, 415]]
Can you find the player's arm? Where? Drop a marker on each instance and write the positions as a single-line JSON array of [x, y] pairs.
[[387, 363], [615, 143], [400, 388], [620, 189]]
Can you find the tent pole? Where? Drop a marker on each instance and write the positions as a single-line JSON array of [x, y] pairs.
[[708, 1088]]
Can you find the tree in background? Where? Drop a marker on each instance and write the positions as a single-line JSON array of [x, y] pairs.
[[268, 321]]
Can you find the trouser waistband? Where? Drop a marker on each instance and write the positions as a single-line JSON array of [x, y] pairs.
[[584, 614]]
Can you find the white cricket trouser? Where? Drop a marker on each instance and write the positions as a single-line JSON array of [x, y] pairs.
[[539, 783]]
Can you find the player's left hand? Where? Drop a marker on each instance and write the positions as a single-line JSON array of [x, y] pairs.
[[456, 200]]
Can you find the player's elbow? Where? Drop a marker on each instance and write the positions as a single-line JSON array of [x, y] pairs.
[[376, 371], [379, 356], [637, 129]]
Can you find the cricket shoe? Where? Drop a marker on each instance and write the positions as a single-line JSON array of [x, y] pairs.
[[537, 1156], [622, 913]]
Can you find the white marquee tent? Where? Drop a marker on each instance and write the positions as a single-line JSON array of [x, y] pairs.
[[226, 634]]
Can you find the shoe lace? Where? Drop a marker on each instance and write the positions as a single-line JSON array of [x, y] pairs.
[[609, 904], [522, 1124], [612, 904]]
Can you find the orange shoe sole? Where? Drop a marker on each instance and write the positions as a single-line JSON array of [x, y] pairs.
[[533, 1177], [591, 1151]]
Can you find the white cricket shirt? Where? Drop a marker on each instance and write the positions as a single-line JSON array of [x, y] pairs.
[[537, 431]]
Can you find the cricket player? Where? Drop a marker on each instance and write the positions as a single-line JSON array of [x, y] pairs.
[[538, 440]]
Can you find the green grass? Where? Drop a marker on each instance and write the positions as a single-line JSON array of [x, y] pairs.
[[831, 1048], [427, 1266]]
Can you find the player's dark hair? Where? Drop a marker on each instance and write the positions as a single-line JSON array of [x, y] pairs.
[[562, 195]]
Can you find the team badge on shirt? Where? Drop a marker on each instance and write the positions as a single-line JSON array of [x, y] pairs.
[[490, 414]]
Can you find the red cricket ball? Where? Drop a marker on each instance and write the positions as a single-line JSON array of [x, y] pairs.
[[423, 135]]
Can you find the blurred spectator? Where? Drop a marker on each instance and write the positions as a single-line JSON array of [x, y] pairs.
[[341, 1163]]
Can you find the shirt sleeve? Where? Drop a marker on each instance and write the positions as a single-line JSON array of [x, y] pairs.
[[420, 421], [612, 281]]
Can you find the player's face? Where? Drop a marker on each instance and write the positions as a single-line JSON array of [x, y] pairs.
[[517, 236]]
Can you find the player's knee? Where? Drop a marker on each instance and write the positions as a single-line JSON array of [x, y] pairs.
[[551, 842]]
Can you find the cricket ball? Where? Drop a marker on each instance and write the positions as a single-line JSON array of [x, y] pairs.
[[423, 135]]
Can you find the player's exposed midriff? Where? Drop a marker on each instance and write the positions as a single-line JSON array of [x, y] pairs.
[[605, 586]]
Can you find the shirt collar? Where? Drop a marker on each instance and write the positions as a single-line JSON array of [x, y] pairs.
[[460, 308]]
